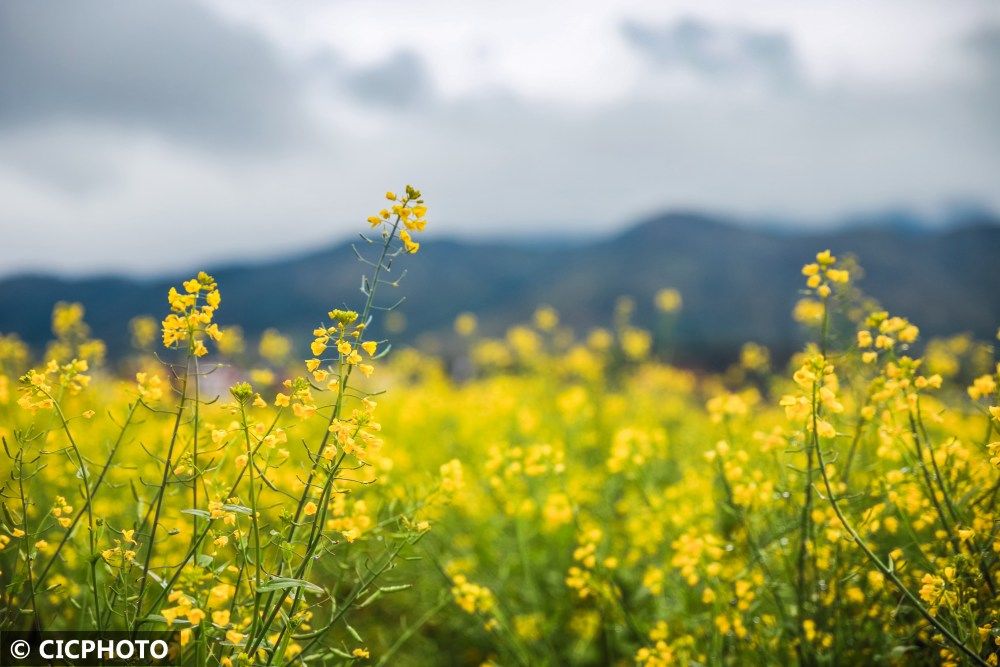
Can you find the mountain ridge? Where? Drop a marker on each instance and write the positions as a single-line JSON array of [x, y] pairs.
[[739, 282]]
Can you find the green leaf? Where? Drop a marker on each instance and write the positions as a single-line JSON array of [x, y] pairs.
[[281, 583], [242, 509]]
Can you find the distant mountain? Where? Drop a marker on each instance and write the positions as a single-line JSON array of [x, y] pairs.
[[739, 283]]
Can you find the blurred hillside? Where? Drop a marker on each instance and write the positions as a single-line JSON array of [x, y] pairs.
[[738, 283]]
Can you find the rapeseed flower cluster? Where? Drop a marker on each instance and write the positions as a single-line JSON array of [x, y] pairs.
[[191, 313], [230, 531]]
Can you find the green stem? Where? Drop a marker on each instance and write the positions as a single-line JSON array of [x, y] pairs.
[[345, 373], [885, 569], [410, 631], [161, 491], [90, 512], [194, 451], [197, 542], [35, 622], [93, 492], [254, 522]]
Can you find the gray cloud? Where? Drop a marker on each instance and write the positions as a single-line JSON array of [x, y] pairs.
[[984, 46], [985, 42], [102, 105], [400, 81], [716, 52], [171, 68]]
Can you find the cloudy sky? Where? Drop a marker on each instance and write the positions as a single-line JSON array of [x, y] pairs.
[[141, 136]]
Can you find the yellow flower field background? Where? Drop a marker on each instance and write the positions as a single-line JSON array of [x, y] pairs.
[[571, 499]]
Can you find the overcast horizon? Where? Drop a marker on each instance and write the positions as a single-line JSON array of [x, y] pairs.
[[141, 137]]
